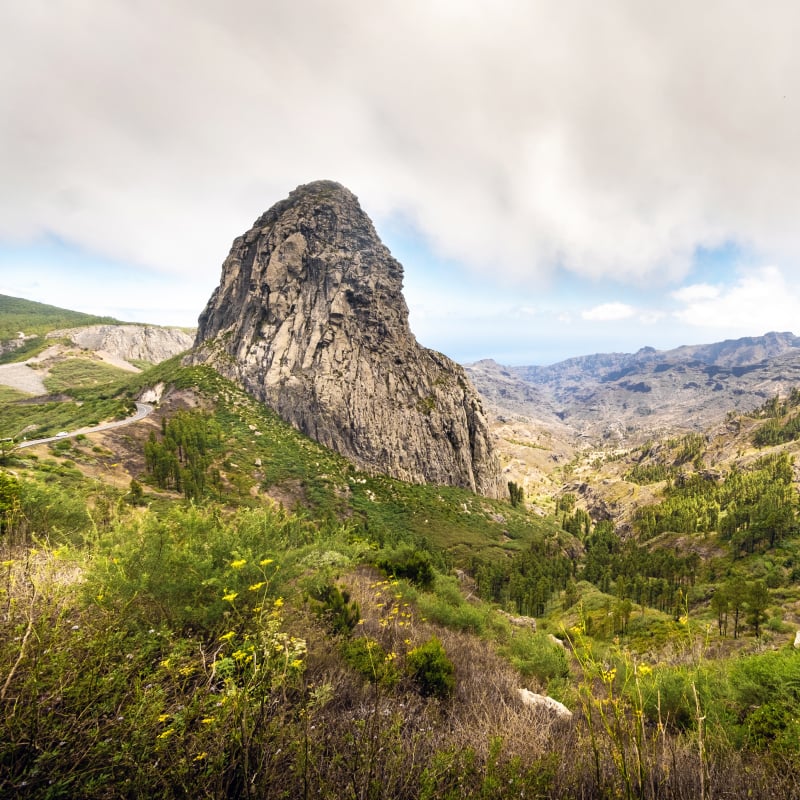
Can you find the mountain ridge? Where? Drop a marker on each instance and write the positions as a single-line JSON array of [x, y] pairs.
[[630, 395]]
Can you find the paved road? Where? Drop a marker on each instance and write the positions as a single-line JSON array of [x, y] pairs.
[[142, 410]]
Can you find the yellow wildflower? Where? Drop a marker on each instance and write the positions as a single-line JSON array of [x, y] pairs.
[[200, 756], [278, 602], [208, 720], [256, 586], [608, 675], [239, 563], [163, 717], [166, 734], [230, 596], [265, 562], [226, 637]]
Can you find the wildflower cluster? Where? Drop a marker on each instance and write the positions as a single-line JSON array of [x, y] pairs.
[[396, 616], [248, 576], [266, 655]]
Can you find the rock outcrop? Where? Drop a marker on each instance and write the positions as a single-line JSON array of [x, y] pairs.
[[551, 706], [309, 317], [138, 342]]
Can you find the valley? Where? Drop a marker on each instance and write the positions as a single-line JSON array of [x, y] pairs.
[[208, 598]]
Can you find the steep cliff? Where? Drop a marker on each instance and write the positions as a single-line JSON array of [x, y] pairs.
[[310, 318]]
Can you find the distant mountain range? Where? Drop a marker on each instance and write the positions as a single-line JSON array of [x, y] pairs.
[[635, 395]]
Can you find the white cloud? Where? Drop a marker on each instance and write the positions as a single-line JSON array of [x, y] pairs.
[[516, 136], [758, 301], [651, 317], [697, 292], [609, 312]]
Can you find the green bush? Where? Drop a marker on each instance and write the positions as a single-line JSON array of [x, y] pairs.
[[408, 562], [535, 656], [669, 699], [187, 568], [446, 605], [335, 607], [766, 693], [431, 669], [367, 657]]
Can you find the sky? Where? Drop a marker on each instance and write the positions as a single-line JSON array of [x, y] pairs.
[[557, 178]]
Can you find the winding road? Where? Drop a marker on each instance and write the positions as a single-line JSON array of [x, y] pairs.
[[142, 410]]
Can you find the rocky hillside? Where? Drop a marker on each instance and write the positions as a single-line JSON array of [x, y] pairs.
[[130, 342], [627, 397], [309, 317]]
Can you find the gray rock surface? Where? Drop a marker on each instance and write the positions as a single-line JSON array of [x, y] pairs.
[[632, 397], [541, 701], [309, 317], [138, 342]]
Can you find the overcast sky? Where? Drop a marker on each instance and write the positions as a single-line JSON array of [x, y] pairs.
[[557, 178]]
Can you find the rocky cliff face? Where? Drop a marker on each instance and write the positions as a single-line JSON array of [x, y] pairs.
[[138, 342], [310, 318]]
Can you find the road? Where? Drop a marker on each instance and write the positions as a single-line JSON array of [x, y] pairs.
[[142, 410]]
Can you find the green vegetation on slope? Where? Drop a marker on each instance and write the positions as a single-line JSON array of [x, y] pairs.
[[35, 320], [31, 318], [75, 374], [224, 645], [263, 454]]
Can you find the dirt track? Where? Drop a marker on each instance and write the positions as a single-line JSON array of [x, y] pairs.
[[23, 378]]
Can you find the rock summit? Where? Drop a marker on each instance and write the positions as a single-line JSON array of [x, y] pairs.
[[309, 317]]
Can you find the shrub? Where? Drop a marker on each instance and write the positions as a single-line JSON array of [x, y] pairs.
[[447, 607], [431, 669], [335, 608], [367, 657], [408, 562], [535, 656]]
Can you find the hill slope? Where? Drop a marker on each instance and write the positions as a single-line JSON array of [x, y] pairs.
[[209, 602]]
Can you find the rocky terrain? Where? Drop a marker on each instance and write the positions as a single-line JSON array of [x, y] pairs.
[[117, 345], [309, 317], [148, 343], [627, 398]]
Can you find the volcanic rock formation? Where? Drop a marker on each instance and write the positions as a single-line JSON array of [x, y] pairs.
[[309, 317], [130, 342]]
